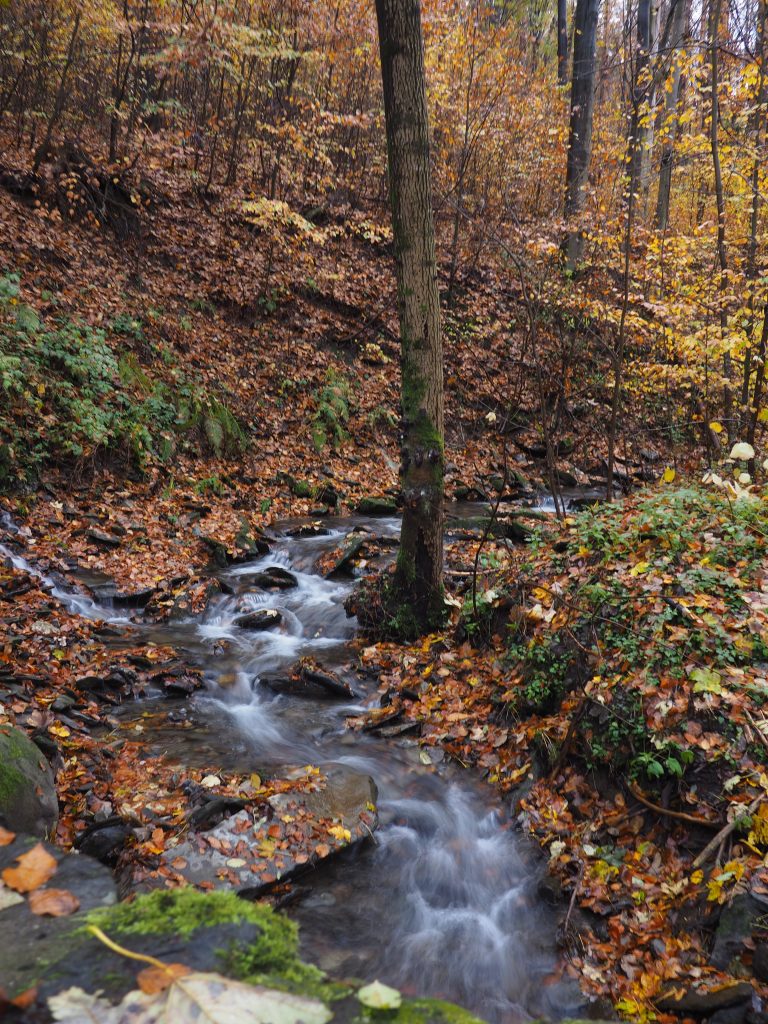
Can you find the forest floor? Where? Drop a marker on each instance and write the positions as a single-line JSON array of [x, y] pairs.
[[609, 675]]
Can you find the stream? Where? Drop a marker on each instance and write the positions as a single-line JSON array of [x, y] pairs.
[[443, 902]]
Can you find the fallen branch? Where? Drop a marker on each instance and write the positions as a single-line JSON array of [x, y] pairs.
[[723, 834], [692, 819]]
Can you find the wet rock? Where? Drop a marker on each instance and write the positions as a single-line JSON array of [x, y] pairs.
[[274, 577], [704, 1002], [207, 932], [30, 942], [104, 839], [344, 562], [312, 681], [105, 592], [760, 962], [308, 530], [377, 505], [28, 801], [107, 539], [249, 852], [737, 921], [248, 543], [264, 618]]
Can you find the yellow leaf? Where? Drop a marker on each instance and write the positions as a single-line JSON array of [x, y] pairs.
[[715, 427], [640, 568], [669, 475]]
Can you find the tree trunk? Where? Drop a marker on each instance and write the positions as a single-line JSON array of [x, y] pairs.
[[722, 252], [678, 23], [562, 42], [417, 587], [580, 135], [638, 131]]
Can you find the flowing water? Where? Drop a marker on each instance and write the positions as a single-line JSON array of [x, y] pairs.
[[443, 902]]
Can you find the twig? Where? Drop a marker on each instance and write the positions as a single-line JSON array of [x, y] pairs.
[[756, 729], [723, 834], [692, 819]]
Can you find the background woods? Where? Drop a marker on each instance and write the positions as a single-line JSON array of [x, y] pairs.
[[273, 111]]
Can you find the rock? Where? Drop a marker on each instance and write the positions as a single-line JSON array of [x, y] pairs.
[[308, 530], [760, 962], [219, 552], [344, 563], [376, 505], [311, 680], [274, 577], [704, 1002], [30, 942], [104, 839], [247, 544], [736, 923], [107, 539], [248, 853], [28, 801], [264, 618], [206, 932]]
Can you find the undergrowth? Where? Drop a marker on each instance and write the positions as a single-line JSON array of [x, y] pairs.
[[68, 398]]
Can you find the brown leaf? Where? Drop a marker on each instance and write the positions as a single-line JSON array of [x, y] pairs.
[[53, 902], [34, 869], [6, 837], [157, 979]]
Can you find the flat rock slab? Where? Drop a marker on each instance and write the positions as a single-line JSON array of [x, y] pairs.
[[249, 853], [29, 942]]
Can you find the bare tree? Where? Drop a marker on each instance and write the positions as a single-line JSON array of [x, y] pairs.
[[580, 134], [418, 589]]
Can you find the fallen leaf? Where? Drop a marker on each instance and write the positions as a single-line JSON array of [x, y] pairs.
[[378, 996], [53, 902], [190, 999], [157, 979], [6, 837], [34, 869]]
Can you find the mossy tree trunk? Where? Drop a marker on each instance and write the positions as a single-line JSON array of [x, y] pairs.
[[417, 588]]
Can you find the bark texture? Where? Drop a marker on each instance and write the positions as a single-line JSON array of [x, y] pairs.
[[582, 110], [418, 592], [562, 42]]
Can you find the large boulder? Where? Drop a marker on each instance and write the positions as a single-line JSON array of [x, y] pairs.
[[31, 941], [28, 801]]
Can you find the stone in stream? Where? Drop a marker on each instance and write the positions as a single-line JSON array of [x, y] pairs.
[[309, 679], [28, 801], [274, 577], [341, 561], [264, 618], [251, 850]]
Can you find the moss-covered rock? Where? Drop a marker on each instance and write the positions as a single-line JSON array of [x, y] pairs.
[[28, 801]]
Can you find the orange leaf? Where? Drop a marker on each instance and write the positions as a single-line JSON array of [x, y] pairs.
[[157, 979], [6, 837], [53, 902], [35, 868]]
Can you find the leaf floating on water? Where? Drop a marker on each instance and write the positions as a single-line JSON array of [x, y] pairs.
[[190, 999], [378, 996], [34, 869], [53, 902]]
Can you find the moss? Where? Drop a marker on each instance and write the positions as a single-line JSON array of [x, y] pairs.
[[270, 959], [15, 747], [183, 911], [425, 1011]]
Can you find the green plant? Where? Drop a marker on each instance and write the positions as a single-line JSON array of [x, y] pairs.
[[67, 397], [332, 411]]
